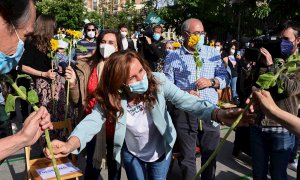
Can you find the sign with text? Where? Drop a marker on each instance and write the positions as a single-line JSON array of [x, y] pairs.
[[48, 172]]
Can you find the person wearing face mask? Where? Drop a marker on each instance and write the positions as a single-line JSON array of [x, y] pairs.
[[16, 22], [271, 143], [134, 99], [88, 42], [218, 46], [232, 62], [126, 42], [83, 82], [152, 48], [180, 69]]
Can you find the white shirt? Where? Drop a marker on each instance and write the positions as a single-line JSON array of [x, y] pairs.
[[125, 43], [2, 101], [142, 138]]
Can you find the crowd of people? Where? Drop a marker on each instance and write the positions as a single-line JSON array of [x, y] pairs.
[[131, 101]]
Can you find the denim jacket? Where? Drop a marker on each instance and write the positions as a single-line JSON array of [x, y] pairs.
[[93, 122]]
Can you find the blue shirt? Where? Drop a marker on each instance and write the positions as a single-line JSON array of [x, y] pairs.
[[180, 68]]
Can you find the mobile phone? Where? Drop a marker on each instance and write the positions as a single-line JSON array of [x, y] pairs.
[[238, 53]]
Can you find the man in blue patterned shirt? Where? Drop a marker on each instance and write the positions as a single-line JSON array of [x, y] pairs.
[[180, 68]]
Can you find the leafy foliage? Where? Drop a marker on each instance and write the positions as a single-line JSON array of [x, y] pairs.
[[68, 13], [267, 80]]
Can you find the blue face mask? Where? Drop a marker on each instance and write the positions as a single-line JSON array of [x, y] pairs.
[[201, 41], [286, 47], [7, 63], [156, 36], [139, 87]]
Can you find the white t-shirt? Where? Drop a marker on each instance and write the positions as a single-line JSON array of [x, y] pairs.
[[142, 138], [125, 43]]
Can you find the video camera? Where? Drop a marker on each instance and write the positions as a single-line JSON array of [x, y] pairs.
[[145, 29], [269, 42]]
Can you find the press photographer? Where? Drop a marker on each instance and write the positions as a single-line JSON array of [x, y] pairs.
[[268, 139], [151, 45]]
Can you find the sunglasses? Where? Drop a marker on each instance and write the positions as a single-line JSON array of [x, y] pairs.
[[91, 29]]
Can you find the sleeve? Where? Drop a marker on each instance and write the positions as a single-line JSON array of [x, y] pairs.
[[28, 55], [222, 73], [186, 102], [291, 85], [168, 69], [88, 128]]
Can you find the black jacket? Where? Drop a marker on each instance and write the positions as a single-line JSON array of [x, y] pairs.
[[152, 53]]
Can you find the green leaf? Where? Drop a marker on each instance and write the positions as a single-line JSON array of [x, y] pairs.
[[10, 103], [81, 48], [267, 80], [23, 76], [33, 97], [23, 89], [292, 69], [67, 40], [280, 86]]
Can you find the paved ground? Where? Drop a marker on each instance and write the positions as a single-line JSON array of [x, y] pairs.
[[228, 168]]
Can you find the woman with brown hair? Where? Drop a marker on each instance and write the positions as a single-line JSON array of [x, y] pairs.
[[36, 63], [83, 82], [135, 98]]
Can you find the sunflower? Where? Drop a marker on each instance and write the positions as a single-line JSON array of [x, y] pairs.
[[74, 34], [176, 45], [193, 40], [54, 44]]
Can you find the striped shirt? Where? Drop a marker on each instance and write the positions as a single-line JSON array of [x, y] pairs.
[[180, 68], [89, 45]]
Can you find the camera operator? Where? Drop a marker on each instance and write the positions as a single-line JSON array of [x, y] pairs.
[[152, 47], [269, 140]]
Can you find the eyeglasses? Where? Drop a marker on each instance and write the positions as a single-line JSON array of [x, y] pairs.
[[91, 29], [196, 33]]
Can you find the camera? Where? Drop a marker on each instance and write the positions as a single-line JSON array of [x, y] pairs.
[[145, 29], [269, 42]]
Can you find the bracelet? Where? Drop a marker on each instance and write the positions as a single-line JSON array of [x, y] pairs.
[[216, 117], [41, 74]]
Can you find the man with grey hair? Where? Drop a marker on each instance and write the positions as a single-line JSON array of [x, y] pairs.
[[180, 69]]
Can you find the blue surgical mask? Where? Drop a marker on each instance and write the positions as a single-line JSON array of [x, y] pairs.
[[139, 87], [201, 41], [286, 47], [7, 63], [156, 36]]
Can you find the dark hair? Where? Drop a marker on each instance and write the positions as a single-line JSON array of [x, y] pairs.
[[87, 25], [158, 27], [16, 12], [97, 57], [294, 25], [123, 26], [44, 30], [113, 79]]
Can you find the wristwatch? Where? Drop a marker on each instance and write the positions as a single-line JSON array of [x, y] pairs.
[[213, 83]]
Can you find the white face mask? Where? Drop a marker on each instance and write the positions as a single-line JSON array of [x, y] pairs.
[[106, 50], [91, 34], [124, 34], [232, 51], [218, 48]]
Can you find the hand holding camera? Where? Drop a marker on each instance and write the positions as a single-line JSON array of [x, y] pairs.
[[268, 60]]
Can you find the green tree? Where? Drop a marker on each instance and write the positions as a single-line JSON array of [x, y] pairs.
[[68, 13]]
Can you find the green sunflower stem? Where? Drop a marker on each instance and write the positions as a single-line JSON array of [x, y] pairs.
[[68, 91], [52, 85], [233, 126], [24, 97]]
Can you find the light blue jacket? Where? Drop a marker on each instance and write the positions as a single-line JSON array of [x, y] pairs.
[[93, 122]]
